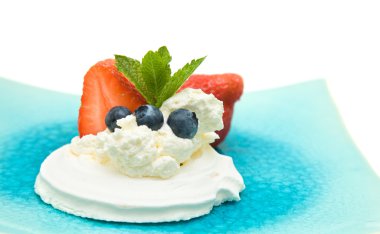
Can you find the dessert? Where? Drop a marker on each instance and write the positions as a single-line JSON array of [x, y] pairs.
[[143, 152]]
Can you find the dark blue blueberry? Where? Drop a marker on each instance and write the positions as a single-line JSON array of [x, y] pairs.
[[183, 123], [116, 113], [150, 116]]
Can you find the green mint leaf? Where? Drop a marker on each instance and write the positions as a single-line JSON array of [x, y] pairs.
[[164, 53], [131, 68], [156, 71], [177, 80], [152, 77]]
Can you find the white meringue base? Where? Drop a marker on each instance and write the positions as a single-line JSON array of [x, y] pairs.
[[81, 186]]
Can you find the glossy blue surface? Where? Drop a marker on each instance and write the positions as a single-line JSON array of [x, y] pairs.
[[302, 171]]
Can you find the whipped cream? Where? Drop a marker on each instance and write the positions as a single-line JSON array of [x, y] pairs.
[[87, 188], [138, 151]]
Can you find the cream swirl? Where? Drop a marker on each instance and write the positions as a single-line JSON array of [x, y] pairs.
[[138, 151]]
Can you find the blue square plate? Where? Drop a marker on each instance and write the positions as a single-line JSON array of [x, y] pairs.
[[302, 171]]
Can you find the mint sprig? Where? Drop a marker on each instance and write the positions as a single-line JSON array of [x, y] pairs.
[[152, 77]]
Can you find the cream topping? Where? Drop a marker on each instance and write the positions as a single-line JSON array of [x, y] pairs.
[[138, 151]]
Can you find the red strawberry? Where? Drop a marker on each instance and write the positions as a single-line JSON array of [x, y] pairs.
[[226, 87], [103, 88]]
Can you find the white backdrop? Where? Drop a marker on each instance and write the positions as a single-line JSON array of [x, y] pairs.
[[270, 43]]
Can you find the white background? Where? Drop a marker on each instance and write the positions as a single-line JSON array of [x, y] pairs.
[[270, 43]]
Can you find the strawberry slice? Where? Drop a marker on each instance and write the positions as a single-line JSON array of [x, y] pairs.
[[103, 88], [228, 88]]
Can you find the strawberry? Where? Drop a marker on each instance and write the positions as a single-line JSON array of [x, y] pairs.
[[226, 87], [103, 88]]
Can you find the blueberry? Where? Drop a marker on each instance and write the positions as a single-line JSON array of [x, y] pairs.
[[116, 113], [150, 116], [183, 123]]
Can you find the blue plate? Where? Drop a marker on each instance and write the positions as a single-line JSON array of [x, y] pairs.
[[302, 171]]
